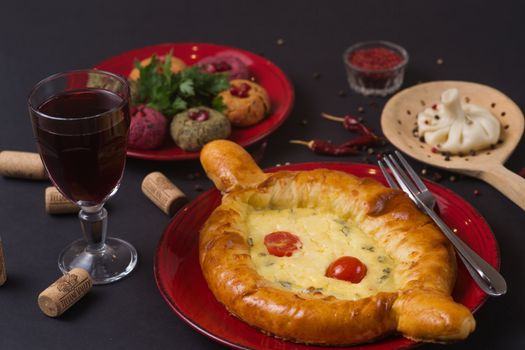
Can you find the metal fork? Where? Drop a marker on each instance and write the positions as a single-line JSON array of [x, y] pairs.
[[487, 278]]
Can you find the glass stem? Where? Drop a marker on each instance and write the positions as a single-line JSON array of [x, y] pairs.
[[94, 223]]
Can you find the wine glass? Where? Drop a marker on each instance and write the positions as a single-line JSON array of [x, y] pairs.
[[81, 121]]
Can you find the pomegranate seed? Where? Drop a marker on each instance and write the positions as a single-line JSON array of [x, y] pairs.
[[240, 90], [434, 106], [434, 150], [199, 116]]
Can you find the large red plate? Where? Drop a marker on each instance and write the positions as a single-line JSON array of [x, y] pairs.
[[266, 73], [180, 281]]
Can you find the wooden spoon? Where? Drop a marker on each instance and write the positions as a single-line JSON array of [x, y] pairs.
[[398, 121]]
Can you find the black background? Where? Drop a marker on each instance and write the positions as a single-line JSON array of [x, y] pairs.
[[479, 41]]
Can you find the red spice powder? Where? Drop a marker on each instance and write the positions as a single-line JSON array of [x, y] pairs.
[[375, 58]]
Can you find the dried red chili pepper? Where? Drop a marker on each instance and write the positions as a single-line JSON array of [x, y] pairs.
[[326, 147], [351, 123]]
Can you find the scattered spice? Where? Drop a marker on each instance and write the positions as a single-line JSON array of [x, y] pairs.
[[285, 284], [437, 177], [467, 99], [506, 127], [434, 107], [503, 114], [493, 105], [250, 241], [408, 112], [370, 248]]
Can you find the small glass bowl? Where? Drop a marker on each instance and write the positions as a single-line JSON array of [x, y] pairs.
[[380, 82]]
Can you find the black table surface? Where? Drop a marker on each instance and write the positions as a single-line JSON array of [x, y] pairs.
[[477, 41]]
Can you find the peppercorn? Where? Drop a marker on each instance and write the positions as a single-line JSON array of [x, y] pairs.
[[503, 114]]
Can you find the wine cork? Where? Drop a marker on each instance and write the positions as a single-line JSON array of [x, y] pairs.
[[56, 203], [24, 165], [163, 192], [3, 273], [64, 292]]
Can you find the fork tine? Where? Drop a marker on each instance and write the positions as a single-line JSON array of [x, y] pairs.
[[417, 180], [387, 176], [401, 177]]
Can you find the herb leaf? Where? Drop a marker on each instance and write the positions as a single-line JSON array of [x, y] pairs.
[[171, 93]]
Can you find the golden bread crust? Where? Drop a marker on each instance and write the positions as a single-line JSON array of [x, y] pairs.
[[425, 271]]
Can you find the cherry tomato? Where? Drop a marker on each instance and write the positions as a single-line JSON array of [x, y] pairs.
[[347, 268], [282, 243]]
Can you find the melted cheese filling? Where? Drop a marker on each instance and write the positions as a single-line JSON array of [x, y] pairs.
[[325, 238]]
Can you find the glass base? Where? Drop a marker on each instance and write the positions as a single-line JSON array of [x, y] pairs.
[[115, 260]]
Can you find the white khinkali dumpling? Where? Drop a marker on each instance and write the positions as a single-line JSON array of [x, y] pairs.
[[456, 128]]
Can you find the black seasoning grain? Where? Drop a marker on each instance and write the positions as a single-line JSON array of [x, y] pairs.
[[493, 105], [506, 127], [503, 114]]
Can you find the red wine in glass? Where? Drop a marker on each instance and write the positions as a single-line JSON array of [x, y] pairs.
[[80, 121], [85, 165]]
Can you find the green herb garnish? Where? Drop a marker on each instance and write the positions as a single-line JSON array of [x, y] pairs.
[[170, 93]]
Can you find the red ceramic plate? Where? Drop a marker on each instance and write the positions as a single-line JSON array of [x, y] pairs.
[[179, 277], [265, 72]]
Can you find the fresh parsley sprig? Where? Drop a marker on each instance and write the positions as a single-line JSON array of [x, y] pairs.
[[171, 93]]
